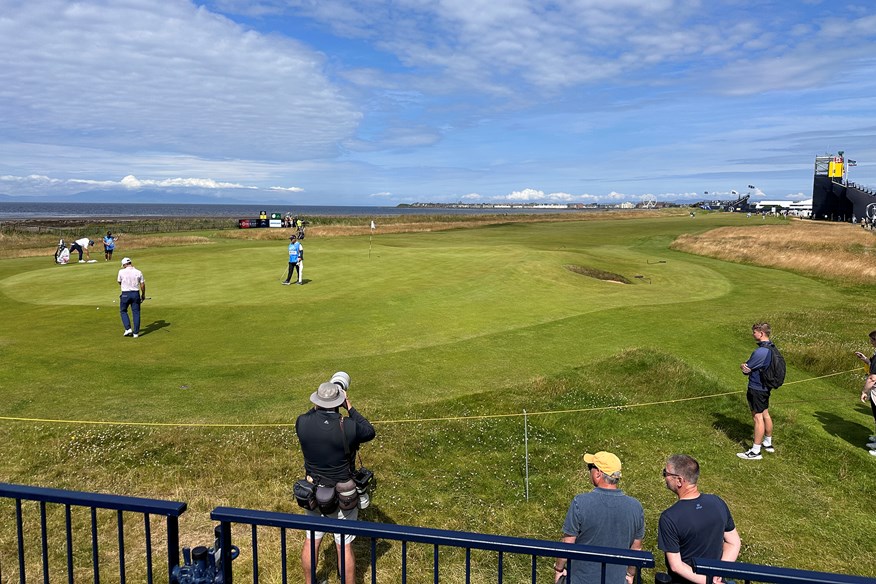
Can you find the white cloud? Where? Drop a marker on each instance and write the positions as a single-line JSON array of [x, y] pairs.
[[34, 183], [163, 76], [288, 189], [132, 182], [383, 194]]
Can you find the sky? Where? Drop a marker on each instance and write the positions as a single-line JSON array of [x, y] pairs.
[[332, 102]]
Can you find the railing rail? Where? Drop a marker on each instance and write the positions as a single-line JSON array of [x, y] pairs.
[[93, 501], [410, 534], [769, 574]]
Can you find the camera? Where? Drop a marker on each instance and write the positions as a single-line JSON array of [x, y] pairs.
[[363, 477], [341, 379]]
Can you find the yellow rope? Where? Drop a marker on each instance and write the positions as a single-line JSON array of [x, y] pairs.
[[404, 420]]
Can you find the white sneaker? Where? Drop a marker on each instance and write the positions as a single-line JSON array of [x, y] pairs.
[[81, 261], [873, 452], [128, 333], [769, 448], [751, 455], [136, 335]]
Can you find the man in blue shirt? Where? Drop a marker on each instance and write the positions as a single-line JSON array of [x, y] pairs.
[[604, 517], [296, 259], [758, 396], [109, 245]]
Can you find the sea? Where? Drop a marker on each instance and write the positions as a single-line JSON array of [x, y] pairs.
[[24, 211]]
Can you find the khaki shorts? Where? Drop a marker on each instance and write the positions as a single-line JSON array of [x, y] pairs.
[[352, 515]]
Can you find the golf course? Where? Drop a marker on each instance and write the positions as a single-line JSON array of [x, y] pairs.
[[483, 356]]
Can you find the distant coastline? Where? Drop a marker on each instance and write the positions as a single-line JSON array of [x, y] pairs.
[[25, 211]]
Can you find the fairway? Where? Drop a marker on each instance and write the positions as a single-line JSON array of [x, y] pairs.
[[442, 333]]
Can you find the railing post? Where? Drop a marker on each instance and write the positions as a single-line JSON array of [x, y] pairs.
[[172, 545], [20, 529], [225, 542]]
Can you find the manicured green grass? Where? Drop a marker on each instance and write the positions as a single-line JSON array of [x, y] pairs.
[[458, 324]]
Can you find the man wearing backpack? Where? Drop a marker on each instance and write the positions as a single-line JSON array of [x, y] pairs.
[[758, 394]]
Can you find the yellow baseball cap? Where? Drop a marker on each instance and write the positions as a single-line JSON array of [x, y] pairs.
[[606, 462]]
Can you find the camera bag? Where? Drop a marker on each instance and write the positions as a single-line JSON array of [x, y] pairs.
[[348, 494], [305, 494], [327, 500]]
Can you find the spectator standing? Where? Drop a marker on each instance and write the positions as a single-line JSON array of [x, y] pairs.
[[329, 442], [133, 287], [868, 393], [605, 517], [109, 245], [758, 394], [697, 525], [81, 245], [296, 260]]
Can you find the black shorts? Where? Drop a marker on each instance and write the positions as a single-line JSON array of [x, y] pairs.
[[758, 401]]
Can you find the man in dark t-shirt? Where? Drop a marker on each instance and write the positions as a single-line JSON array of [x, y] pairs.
[[696, 526]]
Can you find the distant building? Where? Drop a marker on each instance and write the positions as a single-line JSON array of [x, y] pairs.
[[835, 198]]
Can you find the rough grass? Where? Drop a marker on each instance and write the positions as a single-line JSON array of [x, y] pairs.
[[827, 250], [23, 245], [33, 238]]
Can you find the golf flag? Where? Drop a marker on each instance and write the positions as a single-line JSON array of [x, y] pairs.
[[852, 162], [373, 226]]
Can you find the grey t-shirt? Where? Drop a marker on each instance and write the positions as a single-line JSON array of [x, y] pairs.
[[608, 518]]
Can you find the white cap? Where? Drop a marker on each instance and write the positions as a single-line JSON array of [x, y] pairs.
[[126, 261]]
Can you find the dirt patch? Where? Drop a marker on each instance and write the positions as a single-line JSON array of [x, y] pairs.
[[598, 274]]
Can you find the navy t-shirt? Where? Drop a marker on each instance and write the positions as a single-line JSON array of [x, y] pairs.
[[694, 528]]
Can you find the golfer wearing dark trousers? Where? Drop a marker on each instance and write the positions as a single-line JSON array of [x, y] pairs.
[[296, 260], [133, 287]]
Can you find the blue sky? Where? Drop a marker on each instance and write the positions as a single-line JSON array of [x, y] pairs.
[[327, 102]]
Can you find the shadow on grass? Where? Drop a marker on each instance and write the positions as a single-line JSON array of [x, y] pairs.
[[328, 565], [154, 326], [735, 430], [852, 432]]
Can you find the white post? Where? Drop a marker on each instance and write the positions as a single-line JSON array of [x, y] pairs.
[[526, 449]]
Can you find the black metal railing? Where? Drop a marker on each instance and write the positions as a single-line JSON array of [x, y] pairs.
[[769, 574], [405, 534], [376, 532], [93, 501]]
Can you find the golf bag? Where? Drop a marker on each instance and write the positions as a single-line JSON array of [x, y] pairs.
[[62, 254]]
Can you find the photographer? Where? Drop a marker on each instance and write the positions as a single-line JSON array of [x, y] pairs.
[[329, 442]]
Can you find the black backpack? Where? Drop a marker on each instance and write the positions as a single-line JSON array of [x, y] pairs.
[[773, 375]]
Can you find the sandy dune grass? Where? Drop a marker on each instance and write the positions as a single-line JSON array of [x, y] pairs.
[[829, 250]]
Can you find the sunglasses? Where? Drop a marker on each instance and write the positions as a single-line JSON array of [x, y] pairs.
[[669, 474]]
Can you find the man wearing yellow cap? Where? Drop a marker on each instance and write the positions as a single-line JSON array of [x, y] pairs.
[[605, 517]]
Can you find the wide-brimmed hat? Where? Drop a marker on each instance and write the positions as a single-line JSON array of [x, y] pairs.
[[606, 462], [328, 396]]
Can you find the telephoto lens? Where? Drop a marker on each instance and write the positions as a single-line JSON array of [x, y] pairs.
[[341, 379]]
